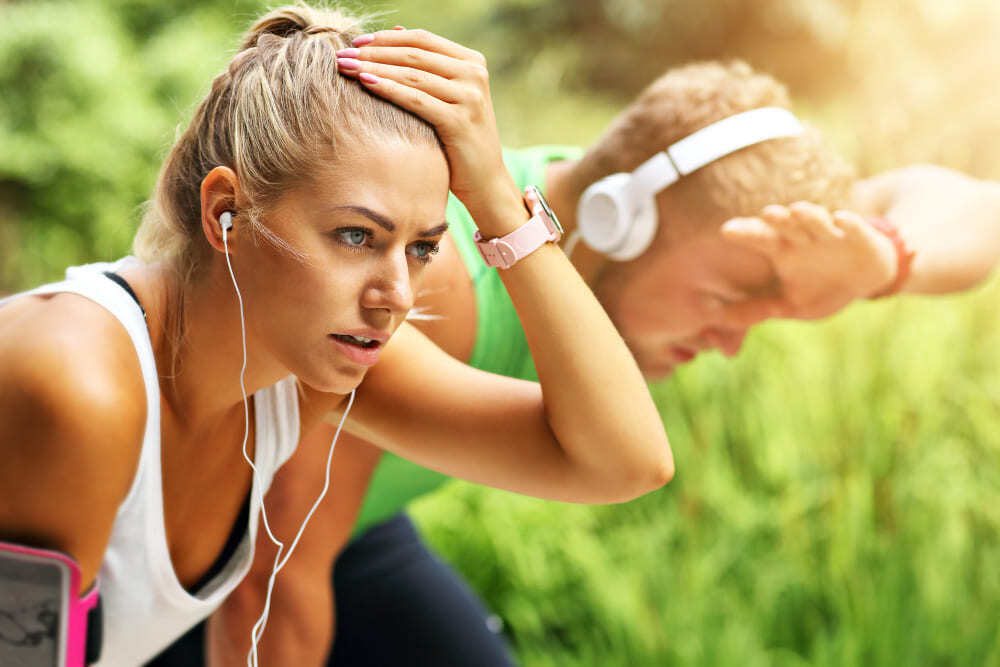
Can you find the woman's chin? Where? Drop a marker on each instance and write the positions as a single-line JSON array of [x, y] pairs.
[[339, 381]]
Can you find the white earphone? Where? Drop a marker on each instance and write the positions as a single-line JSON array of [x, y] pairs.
[[617, 215], [280, 558]]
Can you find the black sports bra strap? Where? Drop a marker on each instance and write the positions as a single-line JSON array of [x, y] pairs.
[[125, 286]]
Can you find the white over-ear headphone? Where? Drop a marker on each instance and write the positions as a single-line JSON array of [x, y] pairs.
[[617, 215]]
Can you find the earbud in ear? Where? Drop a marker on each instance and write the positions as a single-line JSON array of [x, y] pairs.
[[226, 221]]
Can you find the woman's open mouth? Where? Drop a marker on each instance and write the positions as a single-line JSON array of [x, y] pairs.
[[360, 341], [361, 350]]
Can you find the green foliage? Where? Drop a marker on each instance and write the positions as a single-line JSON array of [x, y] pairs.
[[89, 113]]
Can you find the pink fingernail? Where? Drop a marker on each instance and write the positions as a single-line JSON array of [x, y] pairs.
[[368, 78], [348, 64], [363, 39], [349, 53], [398, 27]]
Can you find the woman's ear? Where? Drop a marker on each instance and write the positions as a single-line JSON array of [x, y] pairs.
[[219, 190]]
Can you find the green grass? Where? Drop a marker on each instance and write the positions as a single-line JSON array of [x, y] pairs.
[[837, 502]]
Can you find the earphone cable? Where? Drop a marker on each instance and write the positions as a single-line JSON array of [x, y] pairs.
[[279, 562], [258, 628], [243, 390]]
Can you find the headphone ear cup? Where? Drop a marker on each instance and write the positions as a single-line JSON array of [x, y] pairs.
[[641, 230], [611, 223], [602, 214]]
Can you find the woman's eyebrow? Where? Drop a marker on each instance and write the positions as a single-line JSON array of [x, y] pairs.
[[434, 231], [379, 219], [387, 224]]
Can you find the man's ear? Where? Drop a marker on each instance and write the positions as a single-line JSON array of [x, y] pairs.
[[219, 191]]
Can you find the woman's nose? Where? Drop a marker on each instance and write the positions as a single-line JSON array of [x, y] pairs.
[[390, 288]]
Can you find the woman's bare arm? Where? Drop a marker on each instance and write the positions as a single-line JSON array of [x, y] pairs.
[[301, 625], [947, 220], [72, 416], [591, 431], [578, 442]]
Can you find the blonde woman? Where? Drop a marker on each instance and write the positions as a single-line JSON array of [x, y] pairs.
[[291, 225]]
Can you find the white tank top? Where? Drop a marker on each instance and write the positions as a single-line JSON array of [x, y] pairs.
[[145, 606]]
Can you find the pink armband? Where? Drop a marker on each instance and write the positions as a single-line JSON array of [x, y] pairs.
[[42, 578]]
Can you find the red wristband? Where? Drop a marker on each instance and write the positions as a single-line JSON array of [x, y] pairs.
[[904, 256]]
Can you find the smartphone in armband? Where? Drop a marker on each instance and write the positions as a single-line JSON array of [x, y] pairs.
[[43, 622]]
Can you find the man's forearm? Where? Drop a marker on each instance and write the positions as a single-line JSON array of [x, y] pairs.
[[950, 220]]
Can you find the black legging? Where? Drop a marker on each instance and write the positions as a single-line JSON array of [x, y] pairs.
[[397, 604]]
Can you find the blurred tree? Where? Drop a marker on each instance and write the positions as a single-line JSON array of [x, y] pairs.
[[93, 91], [792, 40]]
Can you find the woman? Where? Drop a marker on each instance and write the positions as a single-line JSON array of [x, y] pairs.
[[298, 193]]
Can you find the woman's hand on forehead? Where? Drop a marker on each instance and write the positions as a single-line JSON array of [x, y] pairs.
[[446, 84]]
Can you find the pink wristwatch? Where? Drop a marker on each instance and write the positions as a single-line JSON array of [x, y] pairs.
[[543, 227]]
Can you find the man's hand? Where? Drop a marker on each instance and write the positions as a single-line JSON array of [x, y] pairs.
[[823, 261]]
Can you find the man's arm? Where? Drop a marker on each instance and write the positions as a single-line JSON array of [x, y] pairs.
[[824, 261], [301, 622], [951, 220]]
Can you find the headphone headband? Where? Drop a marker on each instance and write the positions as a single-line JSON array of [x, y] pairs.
[[711, 143], [731, 134]]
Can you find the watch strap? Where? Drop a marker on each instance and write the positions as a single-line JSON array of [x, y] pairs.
[[507, 250]]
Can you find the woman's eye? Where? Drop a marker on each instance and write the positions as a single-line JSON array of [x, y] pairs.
[[423, 250], [353, 236]]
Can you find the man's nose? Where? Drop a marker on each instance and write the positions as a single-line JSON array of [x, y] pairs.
[[728, 341]]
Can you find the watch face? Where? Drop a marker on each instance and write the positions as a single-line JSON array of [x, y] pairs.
[[548, 210]]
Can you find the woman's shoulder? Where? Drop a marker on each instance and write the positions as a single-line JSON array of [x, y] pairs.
[[71, 372], [72, 419]]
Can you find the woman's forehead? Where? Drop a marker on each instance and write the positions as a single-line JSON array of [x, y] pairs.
[[393, 179]]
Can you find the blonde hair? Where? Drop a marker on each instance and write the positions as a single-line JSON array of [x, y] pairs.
[[275, 114], [688, 98]]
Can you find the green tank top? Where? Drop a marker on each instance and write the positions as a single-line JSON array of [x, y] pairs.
[[500, 345]]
